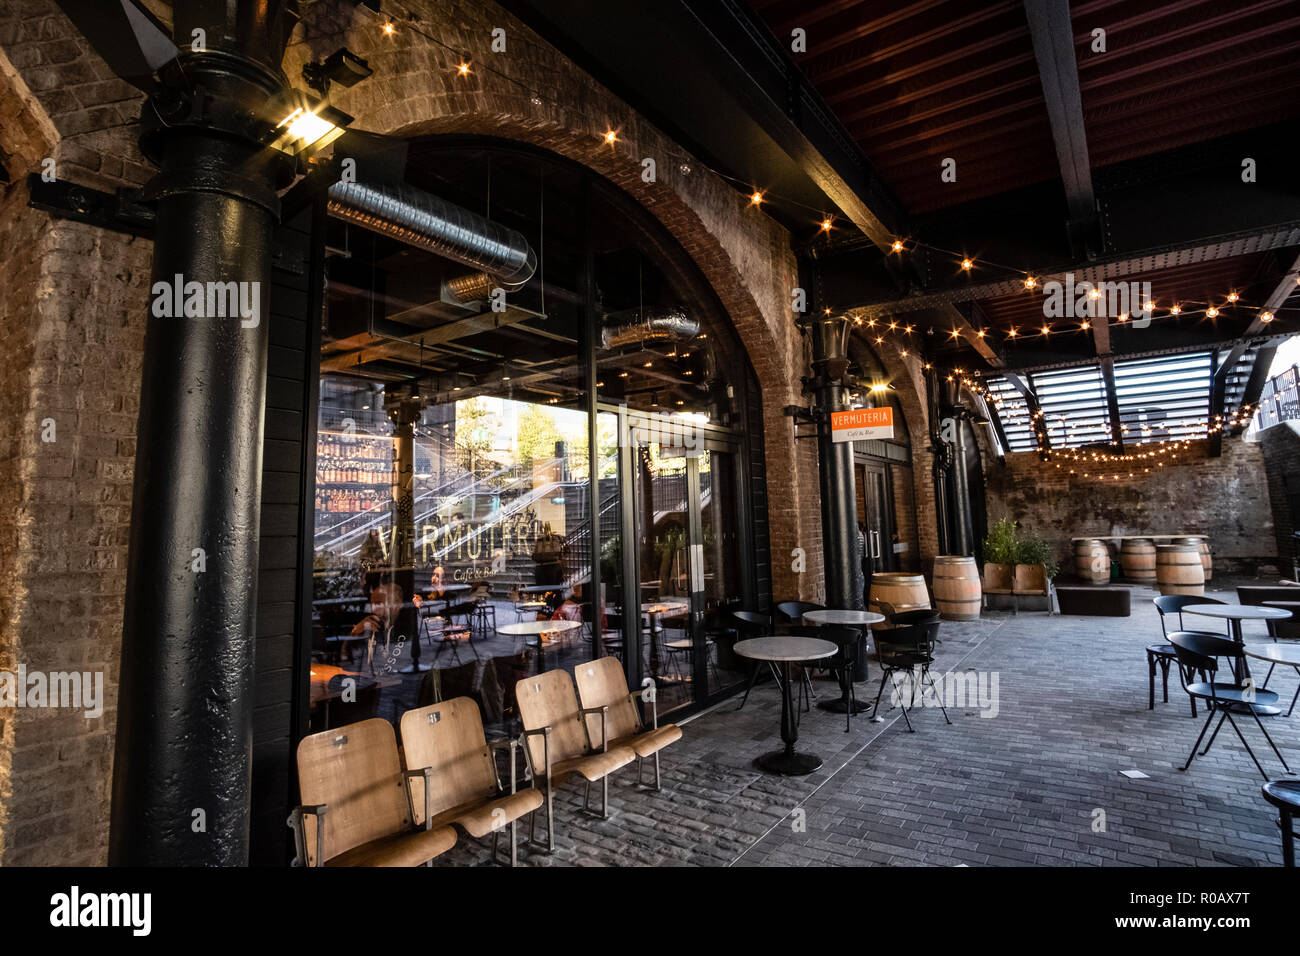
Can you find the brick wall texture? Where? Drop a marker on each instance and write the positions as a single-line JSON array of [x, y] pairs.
[[1226, 498], [72, 310]]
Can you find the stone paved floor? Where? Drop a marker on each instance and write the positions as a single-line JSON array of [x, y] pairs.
[[1027, 786]]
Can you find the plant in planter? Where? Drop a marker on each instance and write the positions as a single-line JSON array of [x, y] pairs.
[[1032, 550], [1000, 551]]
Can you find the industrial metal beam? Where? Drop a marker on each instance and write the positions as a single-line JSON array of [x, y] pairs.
[[1271, 236], [1035, 411], [1052, 34], [972, 322], [1286, 285], [1112, 402]]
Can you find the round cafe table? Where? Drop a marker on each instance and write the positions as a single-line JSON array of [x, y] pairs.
[[850, 618], [538, 629], [787, 650], [1287, 655], [1234, 614]]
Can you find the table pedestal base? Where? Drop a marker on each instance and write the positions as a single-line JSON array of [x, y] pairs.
[[789, 764]]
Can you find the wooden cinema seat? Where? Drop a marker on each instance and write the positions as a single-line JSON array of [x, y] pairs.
[[351, 782], [603, 685], [558, 745], [445, 744]]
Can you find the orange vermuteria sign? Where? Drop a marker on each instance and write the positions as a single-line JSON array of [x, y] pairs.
[[859, 424]]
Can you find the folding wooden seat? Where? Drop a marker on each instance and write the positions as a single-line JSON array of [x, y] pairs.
[[558, 744], [602, 690], [353, 787], [457, 774]]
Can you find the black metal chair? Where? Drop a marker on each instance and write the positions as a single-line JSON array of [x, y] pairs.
[[1200, 652], [1285, 795], [1163, 654], [793, 611], [907, 646], [754, 624]]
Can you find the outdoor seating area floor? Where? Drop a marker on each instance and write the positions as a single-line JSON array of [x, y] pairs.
[[1029, 772]]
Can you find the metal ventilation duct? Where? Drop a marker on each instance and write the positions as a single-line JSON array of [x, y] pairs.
[[426, 221], [658, 324]]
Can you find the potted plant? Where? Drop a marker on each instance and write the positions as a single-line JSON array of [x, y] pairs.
[[1031, 550], [1035, 568], [1000, 554]]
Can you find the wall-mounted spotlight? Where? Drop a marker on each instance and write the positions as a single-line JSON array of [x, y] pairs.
[[302, 126], [342, 67]]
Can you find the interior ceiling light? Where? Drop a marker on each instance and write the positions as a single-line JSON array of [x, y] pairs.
[[967, 264], [897, 246], [756, 197], [463, 69], [1233, 297], [827, 223], [1030, 282], [1211, 312]]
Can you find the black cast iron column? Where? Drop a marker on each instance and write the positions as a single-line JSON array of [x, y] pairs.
[[842, 554], [184, 729]]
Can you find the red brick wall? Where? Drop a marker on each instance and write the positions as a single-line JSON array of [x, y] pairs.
[[72, 309]]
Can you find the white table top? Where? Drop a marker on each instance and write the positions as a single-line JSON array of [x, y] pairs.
[[785, 647], [538, 627], [1238, 612], [833, 616], [1275, 653]]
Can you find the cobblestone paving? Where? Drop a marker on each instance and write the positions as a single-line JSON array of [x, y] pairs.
[[1028, 786]]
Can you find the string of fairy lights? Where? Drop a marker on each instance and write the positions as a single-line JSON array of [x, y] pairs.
[[889, 332]]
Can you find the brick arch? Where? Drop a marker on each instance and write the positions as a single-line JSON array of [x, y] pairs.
[[534, 95]]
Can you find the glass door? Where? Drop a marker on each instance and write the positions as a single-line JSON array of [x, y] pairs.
[[877, 506], [685, 520], [717, 570]]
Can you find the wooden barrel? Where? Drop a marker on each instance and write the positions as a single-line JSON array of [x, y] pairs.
[[1203, 546], [903, 592], [957, 592], [1137, 556], [1092, 561], [1179, 570]]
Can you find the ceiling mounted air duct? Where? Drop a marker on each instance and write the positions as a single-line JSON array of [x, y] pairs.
[[658, 324], [501, 256]]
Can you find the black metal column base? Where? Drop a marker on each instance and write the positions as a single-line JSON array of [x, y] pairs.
[[789, 764]]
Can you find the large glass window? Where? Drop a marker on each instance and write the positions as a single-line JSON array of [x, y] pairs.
[[466, 535]]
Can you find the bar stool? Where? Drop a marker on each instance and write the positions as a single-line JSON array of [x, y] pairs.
[[1285, 795]]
